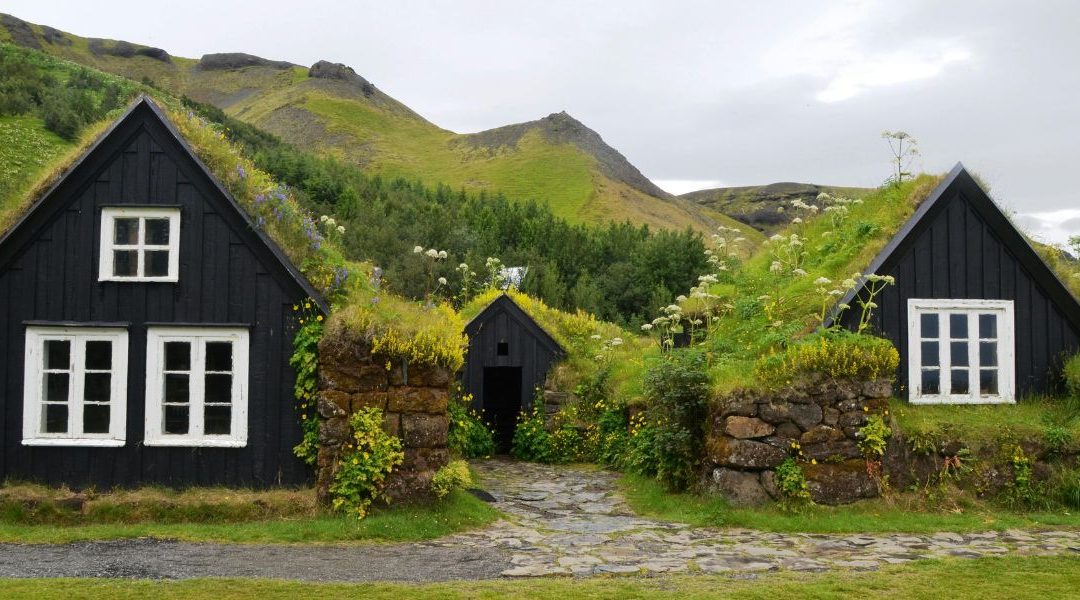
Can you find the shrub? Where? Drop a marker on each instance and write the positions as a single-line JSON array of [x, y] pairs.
[[468, 437], [1024, 491], [1069, 489], [454, 476], [531, 438], [791, 481], [1071, 371], [368, 461], [834, 354], [874, 437], [305, 361], [669, 444]]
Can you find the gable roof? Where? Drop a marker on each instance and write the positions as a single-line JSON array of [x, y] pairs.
[[505, 303], [960, 182], [143, 111]]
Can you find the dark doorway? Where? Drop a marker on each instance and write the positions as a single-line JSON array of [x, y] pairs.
[[502, 402]]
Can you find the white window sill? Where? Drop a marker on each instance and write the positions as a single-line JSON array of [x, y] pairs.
[[963, 400], [195, 442], [86, 442], [141, 279]]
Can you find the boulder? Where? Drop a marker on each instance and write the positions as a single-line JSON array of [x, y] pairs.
[[879, 388], [741, 488], [803, 415], [425, 431], [740, 407], [830, 416], [769, 484], [819, 434], [747, 427], [325, 69], [839, 483], [830, 449], [744, 454], [238, 60], [418, 400]]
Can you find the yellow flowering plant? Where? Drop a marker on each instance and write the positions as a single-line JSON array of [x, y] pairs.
[[363, 469]]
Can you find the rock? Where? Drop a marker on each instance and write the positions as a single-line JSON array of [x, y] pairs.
[[880, 388], [741, 488], [238, 60], [55, 36], [425, 431], [744, 454], [747, 427], [819, 434], [740, 407], [327, 70], [392, 424], [75, 502], [855, 419], [768, 483], [788, 430], [333, 431], [839, 483], [332, 403], [553, 398], [418, 400], [843, 448], [370, 400], [830, 416], [426, 459]]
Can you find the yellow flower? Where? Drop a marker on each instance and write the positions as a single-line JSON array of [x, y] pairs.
[[307, 305], [318, 317], [865, 409], [355, 461], [813, 461], [296, 307]]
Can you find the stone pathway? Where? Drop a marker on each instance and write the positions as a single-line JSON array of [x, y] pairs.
[[571, 521], [560, 521]]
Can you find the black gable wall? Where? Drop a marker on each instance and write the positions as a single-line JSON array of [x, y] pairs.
[[48, 272], [957, 251]]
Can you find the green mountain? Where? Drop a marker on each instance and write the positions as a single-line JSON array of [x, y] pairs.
[[766, 208], [330, 109]]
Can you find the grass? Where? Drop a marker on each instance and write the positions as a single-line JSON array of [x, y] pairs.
[[901, 514], [27, 150], [305, 524], [987, 425], [998, 577]]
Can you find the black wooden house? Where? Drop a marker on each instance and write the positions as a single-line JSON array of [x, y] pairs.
[[508, 360], [976, 314], [146, 326]]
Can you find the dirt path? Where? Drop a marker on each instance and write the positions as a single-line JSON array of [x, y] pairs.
[[560, 521]]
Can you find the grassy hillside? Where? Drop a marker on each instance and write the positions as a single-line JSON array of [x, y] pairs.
[[335, 112], [762, 206]]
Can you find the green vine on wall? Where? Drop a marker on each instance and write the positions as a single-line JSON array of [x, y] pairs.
[[305, 362]]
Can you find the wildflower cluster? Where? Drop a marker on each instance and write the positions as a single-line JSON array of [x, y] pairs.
[[833, 354], [468, 435], [431, 258], [791, 481], [367, 461], [454, 476]]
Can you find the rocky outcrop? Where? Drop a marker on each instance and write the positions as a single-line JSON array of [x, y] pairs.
[[752, 432], [414, 400], [100, 47], [238, 60], [327, 70]]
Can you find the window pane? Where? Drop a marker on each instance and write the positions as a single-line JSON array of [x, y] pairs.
[[56, 418], [960, 381], [126, 231], [218, 420], [988, 383], [56, 387], [219, 388], [157, 232], [930, 354], [96, 418], [99, 355], [176, 388], [176, 419], [219, 356], [988, 326], [177, 356], [988, 354], [958, 354], [125, 263], [58, 354], [958, 328], [157, 263], [96, 387], [929, 324], [931, 381]]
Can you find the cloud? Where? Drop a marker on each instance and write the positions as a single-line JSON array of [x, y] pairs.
[[685, 186], [1054, 227], [893, 68]]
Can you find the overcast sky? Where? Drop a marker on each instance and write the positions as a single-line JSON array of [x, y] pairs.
[[696, 94]]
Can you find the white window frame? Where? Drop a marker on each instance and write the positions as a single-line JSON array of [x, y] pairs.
[[109, 215], [156, 337], [1006, 350], [34, 374]]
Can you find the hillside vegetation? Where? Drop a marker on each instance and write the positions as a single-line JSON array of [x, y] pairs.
[[331, 110], [766, 207]]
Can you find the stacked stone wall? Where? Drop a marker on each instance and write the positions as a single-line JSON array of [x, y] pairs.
[[414, 400]]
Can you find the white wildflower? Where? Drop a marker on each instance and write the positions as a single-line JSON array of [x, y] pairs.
[[822, 281], [680, 298], [442, 254], [323, 218], [646, 327], [594, 336], [432, 253], [442, 281], [799, 272], [417, 249], [341, 229]]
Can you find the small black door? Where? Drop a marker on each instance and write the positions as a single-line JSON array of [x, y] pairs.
[[502, 402]]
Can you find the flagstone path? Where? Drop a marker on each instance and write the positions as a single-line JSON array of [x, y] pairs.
[[560, 521]]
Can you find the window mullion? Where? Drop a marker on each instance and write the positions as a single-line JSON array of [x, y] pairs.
[[945, 352], [198, 386], [75, 387], [973, 356]]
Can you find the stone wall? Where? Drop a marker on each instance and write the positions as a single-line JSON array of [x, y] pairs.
[[750, 433], [414, 401]]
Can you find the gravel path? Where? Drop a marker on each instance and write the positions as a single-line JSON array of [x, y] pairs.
[[560, 521]]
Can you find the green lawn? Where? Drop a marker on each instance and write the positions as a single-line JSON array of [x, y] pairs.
[[1013, 577], [905, 513], [985, 425], [401, 523], [26, 150]]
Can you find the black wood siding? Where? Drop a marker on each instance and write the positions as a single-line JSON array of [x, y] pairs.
[[529, 347], [48, 272], [965, 249]]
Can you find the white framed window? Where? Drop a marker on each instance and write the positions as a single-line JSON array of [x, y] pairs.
[[75, 386], [961, 352], [196, 386], [139, 244]]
